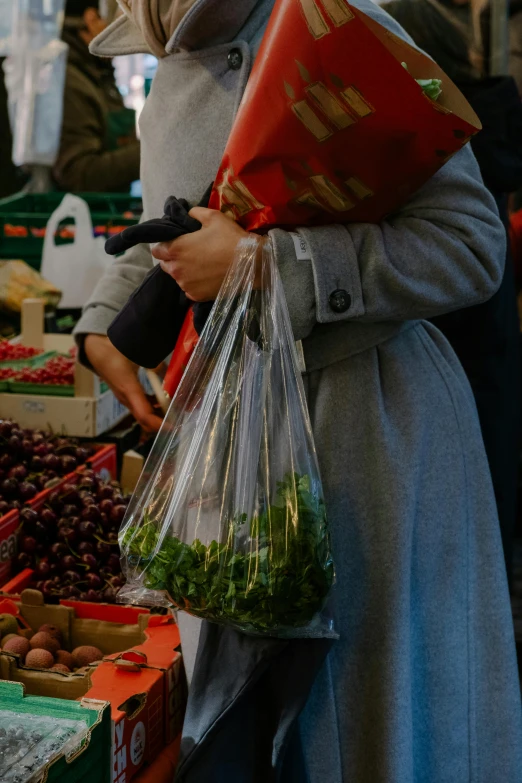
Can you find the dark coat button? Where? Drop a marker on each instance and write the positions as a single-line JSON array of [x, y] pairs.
[[235, 59], [340, 301]]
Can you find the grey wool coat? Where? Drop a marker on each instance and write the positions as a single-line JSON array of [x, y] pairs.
[[422, 686]]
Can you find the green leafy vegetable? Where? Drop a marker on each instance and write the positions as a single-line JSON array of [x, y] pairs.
[[271, 573], [431, 87]]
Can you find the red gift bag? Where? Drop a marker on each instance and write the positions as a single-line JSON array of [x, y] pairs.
[[332, 127]]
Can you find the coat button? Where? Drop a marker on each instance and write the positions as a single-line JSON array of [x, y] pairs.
[[340, 301], [235, 59]]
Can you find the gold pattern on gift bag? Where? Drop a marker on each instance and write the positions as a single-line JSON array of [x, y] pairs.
[[313, 11], [330, 193], [304, 112], [235, 197], [356, 102], [358, 188], [339, 108], [338, 11], [328, 103]]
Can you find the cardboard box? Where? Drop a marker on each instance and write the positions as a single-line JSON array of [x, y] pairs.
[[111, 628], [137, 700], [161, 651], [145, 683], [89, 413], [93, 754]]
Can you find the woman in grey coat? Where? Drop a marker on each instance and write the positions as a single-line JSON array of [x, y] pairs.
[[422, 686]]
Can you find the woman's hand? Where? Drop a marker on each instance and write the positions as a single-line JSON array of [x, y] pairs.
[[199, 262]]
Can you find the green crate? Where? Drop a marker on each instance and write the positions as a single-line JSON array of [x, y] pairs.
[[49, 389], [93, 761], [23, 219]]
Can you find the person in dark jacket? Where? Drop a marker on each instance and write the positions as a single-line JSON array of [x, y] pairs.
[[98, 150], [485, 337]]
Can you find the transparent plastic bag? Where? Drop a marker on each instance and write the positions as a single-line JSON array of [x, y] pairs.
[[228, 520]]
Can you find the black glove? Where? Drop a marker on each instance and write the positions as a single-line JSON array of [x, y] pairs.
[[147, 327]]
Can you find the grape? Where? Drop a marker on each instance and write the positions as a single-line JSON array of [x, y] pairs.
[[91, 513], [118, 513], [19, 473], [27, 490], [48, 517], [58, 549], [43, 569], [113, 563], [67, 534], [89, 561], [6, 427], [23, 560], [82, 455], [14, 443], [28, 544], [106, 492], [68, 464], [70, 494], [106, 506], [109, 595], [85, 548], [51, 462], [103, 549], [37, 464], [87, 529], [9, 488], [41, 450], [40, 531], [71, 576], [67, 563]]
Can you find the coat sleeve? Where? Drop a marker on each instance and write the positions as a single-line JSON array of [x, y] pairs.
[[443, 251], [122, 277]]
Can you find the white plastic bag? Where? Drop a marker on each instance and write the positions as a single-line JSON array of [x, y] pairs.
[[35, 83], [74, 268], [6, 26], [35, 78]]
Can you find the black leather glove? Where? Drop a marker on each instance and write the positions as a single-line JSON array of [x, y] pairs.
[[147, 327]]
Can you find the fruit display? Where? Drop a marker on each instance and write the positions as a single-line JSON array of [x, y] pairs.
[[29, 742], [11, 352], [7, 373], [43, 650], [72, 541], [57, 371], [31, 459]]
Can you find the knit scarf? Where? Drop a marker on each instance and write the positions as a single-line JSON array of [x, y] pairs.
[[157, 20]]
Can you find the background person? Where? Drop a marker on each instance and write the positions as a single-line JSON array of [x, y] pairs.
[[98, 149]]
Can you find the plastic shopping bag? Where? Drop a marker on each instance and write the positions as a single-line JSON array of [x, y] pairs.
[[75, 267], [228, 519]]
